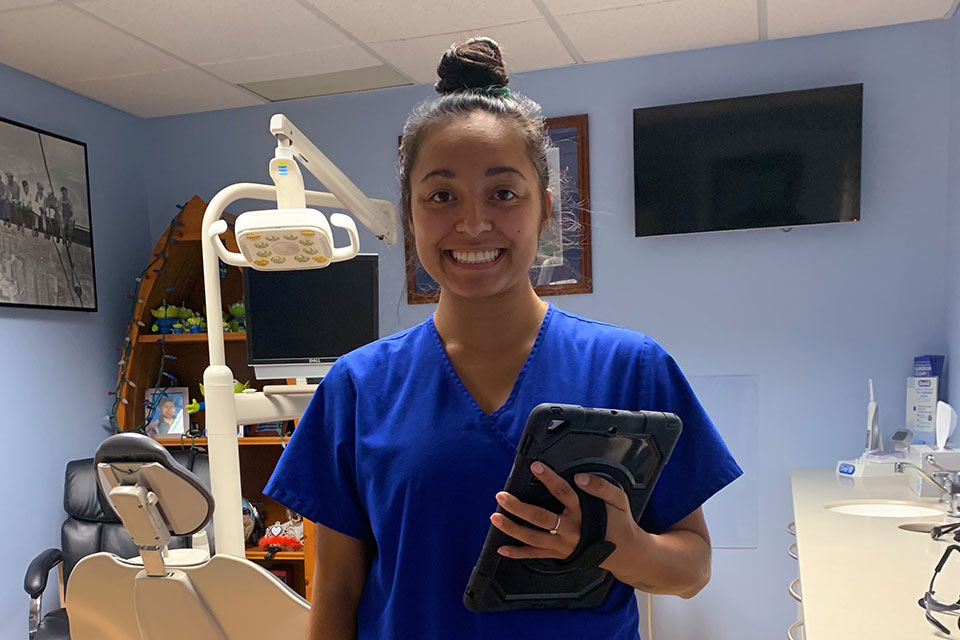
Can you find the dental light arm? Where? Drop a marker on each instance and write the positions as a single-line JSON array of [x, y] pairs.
[[289, 237]]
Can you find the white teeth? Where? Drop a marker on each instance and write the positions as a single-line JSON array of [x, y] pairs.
[[476, 257]]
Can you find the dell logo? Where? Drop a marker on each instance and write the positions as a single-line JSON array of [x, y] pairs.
[[923, 383]]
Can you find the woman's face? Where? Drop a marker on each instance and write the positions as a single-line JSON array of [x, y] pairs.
[[477, 208]]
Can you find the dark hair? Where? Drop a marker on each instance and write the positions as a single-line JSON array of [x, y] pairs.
[[164, 400], [472, 79]]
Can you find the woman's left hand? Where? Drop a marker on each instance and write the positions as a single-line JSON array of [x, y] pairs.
[[621, 528]]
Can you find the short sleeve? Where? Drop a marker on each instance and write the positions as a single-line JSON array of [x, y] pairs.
[[317, 472], [700, 465]]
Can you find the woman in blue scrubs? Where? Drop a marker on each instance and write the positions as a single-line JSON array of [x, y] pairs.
[[402, 453]]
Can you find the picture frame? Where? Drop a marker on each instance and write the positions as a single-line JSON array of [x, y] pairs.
[[564, 262], [46, 230], [166, 412]]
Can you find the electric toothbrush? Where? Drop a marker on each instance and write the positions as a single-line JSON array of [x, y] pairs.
[[873, 423]]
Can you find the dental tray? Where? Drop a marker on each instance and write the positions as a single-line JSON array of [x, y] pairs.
[[627, 448]]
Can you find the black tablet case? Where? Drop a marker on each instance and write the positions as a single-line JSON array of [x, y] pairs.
[[628, 448]]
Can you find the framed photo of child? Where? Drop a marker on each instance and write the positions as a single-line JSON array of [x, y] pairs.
[[166, 412]]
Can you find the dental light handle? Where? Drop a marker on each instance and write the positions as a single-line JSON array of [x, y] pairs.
[[348, 251]]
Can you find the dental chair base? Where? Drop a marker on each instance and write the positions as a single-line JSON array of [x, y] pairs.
[[223, 598]]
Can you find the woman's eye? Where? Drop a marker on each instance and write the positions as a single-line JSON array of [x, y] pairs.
[[505, 194], [441, 196]]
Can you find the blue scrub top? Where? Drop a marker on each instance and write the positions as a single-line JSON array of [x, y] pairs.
[[395, 451]]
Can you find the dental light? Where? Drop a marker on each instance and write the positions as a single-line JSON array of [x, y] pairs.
[[292, 236]]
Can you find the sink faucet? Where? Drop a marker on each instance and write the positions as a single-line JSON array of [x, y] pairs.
[[948, 482]]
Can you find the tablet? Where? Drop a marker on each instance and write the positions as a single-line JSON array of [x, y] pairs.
[[627, 448]]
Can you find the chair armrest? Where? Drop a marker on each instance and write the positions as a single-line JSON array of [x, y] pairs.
[[36, 579]]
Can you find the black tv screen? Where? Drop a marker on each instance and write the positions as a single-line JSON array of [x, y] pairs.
[[774, 160], [316, 315]]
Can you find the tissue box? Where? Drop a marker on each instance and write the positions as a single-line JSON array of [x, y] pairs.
[[948, 459], [922, 396]]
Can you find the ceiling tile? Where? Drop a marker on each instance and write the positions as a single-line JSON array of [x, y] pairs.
[[383, 20], [525, 46], [789, 18], [293, 65], [568, 7], [378, 77], [16, 4], [149, 95], [59, 44], [658, 28], [220, 30]]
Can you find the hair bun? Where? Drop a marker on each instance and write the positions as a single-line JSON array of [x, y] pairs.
[[474, 64]]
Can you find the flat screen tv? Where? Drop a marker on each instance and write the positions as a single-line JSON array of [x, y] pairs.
[[773, 160]]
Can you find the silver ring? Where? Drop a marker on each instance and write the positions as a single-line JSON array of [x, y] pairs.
[[553, 531]]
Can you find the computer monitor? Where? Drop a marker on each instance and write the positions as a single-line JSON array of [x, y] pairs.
[[299, 322]]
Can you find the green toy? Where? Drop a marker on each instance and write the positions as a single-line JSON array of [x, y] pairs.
[[195, 324], [239, 313], [166, 317], [195, 406]]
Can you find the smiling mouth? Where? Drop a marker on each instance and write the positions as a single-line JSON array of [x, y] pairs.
[[475, 257]]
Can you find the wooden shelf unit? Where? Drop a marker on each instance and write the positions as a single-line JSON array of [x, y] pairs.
[[174, 338], [182, 272]]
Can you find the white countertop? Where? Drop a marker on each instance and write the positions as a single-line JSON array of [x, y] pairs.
[[861, 577]]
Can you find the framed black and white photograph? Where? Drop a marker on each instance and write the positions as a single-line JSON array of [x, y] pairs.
[[564, 263], [166, 412], [46, 233]]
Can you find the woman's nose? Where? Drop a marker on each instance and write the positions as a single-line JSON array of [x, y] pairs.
[[474, 220]]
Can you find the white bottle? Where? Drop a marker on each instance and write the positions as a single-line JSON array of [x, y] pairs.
[[873, 423]]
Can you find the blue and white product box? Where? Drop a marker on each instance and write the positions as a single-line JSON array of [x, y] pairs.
[[922, 396], [928, 366]]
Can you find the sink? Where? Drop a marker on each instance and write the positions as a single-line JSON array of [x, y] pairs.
[[885, 508]]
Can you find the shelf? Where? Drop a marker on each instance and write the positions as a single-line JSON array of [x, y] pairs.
[[243, 442], [256, 553], [169, 338]]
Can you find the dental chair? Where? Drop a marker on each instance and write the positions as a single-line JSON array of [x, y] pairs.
[[170, 593], [91, 526]]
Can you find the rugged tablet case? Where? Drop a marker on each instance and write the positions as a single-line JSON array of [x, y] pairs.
[[628, 448]]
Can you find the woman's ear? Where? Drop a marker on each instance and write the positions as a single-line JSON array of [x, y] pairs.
[[547, 210]]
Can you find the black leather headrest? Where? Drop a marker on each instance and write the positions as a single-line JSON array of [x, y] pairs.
[[138, 448]]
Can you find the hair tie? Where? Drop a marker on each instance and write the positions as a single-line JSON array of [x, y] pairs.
[[494, 92]]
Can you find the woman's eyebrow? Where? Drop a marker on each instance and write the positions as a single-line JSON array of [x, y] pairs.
[[492, 171], [496, 171], [442, 173]]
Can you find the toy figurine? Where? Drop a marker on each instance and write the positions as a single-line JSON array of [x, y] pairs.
[[239, 312], [176, 327], [166, 317], [252, 523], [195, 324], [195, 407]]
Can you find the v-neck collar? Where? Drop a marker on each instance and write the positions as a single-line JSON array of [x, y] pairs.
[[517, 383]]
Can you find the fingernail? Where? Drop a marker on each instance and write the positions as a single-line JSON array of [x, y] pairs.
[[501, 498], [503, 552], [537, 467], [582, 479]]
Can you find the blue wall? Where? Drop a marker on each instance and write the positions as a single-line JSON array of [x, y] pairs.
[[811, 313], [57, 366]]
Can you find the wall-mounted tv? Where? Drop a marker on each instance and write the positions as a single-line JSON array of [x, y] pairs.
[[774, 160]]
